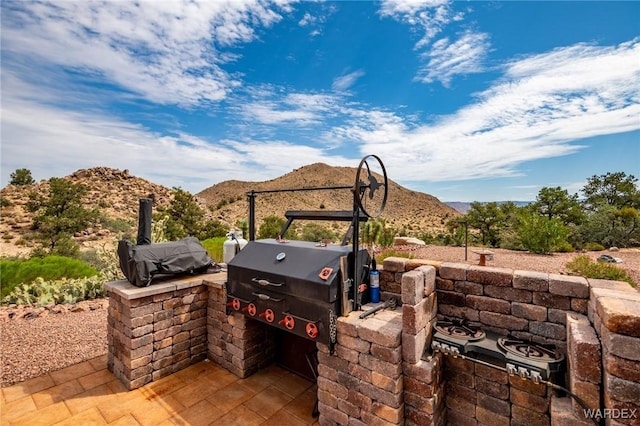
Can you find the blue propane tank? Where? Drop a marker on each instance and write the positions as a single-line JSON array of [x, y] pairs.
[[374, 285]]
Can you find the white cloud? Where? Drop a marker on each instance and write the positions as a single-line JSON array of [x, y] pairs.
[[431, 16], [542, 104], [344, 82], [300, 108], [448, 59], [144, 47], [445, 58]]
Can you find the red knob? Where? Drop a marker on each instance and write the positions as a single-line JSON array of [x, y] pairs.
[[235, 304], [250, 308], [268, 315], [288, 322], [312, 330]]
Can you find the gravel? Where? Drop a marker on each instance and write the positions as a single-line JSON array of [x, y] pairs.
[[33, 347]]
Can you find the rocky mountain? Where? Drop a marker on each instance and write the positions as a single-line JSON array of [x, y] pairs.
[[116, 194], [411, 211]]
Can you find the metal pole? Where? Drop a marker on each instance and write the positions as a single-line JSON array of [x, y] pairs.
[[466, 233], [252, 215], [355, 246]]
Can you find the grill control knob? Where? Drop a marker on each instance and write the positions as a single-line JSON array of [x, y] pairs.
[[288, 322], [268, 315], [250, 308], [312, 330], [235, 304]]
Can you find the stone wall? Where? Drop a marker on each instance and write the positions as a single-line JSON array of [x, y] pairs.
[[155, 331], [235, 342], [602, 350], [361, 382]]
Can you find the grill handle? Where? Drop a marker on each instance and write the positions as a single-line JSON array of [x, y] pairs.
[[263, 296], [266, 283]]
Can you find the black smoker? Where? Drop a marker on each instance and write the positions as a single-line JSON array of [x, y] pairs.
[[302, 287]]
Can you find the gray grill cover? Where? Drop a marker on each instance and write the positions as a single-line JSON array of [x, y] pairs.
[[140, 263]]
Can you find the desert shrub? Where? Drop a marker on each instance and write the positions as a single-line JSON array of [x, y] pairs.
[[564, 247], [214, 247], [315, 232], [593, 247], [584, 266], [7, 237], [14, 272], [4, 202], [539, 234], [116, 225], [42, 292]]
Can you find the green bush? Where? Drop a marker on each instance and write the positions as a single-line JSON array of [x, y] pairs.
[[564, 247], [42, 292], [14, 272], [214, 247], [594, 247], [584, 266], [539, 234]]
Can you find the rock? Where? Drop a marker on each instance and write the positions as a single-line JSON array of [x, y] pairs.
[[614, 248], [400, 241]]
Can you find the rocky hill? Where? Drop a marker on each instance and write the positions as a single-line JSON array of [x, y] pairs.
[[411, 211], [116, 194]]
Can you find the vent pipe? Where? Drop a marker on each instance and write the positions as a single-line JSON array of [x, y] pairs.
[[144, 221]]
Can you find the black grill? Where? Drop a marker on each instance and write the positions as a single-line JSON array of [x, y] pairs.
[[295, 286]]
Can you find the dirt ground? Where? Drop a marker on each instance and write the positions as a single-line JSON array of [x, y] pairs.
[[553, 263]]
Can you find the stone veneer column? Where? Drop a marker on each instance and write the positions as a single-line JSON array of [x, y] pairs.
[[361, 384], [235, 342], [423, 391], [157, 330], [614, 308]]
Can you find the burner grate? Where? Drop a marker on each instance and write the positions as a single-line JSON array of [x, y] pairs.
[[529, 350], [459, 329]]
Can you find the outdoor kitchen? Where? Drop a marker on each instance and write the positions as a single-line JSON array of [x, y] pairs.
[[445, 343]]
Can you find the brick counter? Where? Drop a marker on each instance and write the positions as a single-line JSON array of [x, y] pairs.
[[157, 330]]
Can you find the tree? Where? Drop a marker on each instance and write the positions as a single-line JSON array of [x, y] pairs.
[[271, 227], [60, 214], [487, 218], [556, 203], [611, 226], [21, 177], [615, 189], [613, 202], [540, 234]]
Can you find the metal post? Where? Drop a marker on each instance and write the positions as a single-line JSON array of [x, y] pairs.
[[466, 234], [252, 215], [355, 246]]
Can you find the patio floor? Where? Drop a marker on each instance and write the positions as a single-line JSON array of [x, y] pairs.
[[202, 394]]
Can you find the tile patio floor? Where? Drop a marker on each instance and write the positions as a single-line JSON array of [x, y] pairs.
[[202, 394]]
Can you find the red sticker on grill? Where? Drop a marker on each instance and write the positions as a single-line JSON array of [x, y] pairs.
[[325, 273]]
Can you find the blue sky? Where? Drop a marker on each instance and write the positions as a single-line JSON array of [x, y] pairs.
[[462, 100]]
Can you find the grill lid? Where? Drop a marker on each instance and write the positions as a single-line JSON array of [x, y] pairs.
[[301, 260]]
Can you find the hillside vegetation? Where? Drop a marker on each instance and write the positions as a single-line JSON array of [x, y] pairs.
[[115, 194]]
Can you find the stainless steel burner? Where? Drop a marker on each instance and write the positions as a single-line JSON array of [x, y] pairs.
[[459, 329], [529, 350]]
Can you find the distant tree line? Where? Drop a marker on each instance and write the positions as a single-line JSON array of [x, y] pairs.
[[606, 215]]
